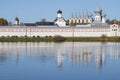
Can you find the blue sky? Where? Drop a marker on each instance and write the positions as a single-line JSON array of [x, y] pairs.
[[35, 10]]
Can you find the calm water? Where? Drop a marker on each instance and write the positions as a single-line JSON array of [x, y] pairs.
[[60, 61]]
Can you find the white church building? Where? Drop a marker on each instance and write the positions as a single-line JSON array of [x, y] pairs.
[[100, 16], [60, 21]]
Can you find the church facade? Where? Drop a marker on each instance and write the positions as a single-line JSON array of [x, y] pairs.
[[60, 21]]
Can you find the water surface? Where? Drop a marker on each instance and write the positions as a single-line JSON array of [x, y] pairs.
[[60, 61]]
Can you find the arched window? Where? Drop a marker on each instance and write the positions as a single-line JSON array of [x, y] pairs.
[[86, 21]]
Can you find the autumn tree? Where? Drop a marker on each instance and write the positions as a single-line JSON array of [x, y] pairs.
[[3, 22]]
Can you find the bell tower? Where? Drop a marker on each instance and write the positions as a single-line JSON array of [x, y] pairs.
[[98, 12], [59, 13]]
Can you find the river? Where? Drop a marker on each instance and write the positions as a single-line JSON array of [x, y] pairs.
[[59, 61]]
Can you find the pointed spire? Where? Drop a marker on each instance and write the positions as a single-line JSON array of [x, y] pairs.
[[79, 14], [72, 15], [76, 15], [83, 15]]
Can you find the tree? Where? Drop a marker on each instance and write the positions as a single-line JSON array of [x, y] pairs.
[[3, 22], [114, 21], [72, 24], [43, 20], [104, 38], [58, 38], [108, 21]]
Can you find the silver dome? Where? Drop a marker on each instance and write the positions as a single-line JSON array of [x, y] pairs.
[[98, 10]]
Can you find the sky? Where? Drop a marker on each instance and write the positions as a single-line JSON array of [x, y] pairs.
[[34, 10]]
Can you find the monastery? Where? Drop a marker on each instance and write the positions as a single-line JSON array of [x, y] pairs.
[[81, 27]]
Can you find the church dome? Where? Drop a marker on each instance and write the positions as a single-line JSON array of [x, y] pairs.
[[59, 11], [98, 10]]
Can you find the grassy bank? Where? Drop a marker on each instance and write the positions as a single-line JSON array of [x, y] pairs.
[[60, 39], [25, 39], [94, 39]]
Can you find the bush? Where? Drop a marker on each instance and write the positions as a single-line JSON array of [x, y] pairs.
[[34, 37], [46, 36], [50, 36], [103, 37], [58, 38], [14, 36], [118, 39], [25, 36], [38, 36]]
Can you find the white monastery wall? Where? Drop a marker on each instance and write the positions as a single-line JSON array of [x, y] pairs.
[[66, 32]]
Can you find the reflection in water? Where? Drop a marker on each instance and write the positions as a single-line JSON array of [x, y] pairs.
[[75, 52]]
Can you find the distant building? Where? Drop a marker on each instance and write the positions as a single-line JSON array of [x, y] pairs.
[[39, 24], [81, 20], [60, 21], [100, 18], [45, 23], [29, 24]]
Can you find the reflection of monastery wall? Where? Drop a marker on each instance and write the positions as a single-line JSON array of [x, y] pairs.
[[76, 53], [92, 53]]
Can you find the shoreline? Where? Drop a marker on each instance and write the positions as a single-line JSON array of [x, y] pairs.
[[59, 39]]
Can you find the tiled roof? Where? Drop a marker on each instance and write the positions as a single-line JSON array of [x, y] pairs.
[[44, 23], [29, 24]]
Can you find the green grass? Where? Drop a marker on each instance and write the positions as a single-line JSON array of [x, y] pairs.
[[25, 39], [68, 39], [84, 39]]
